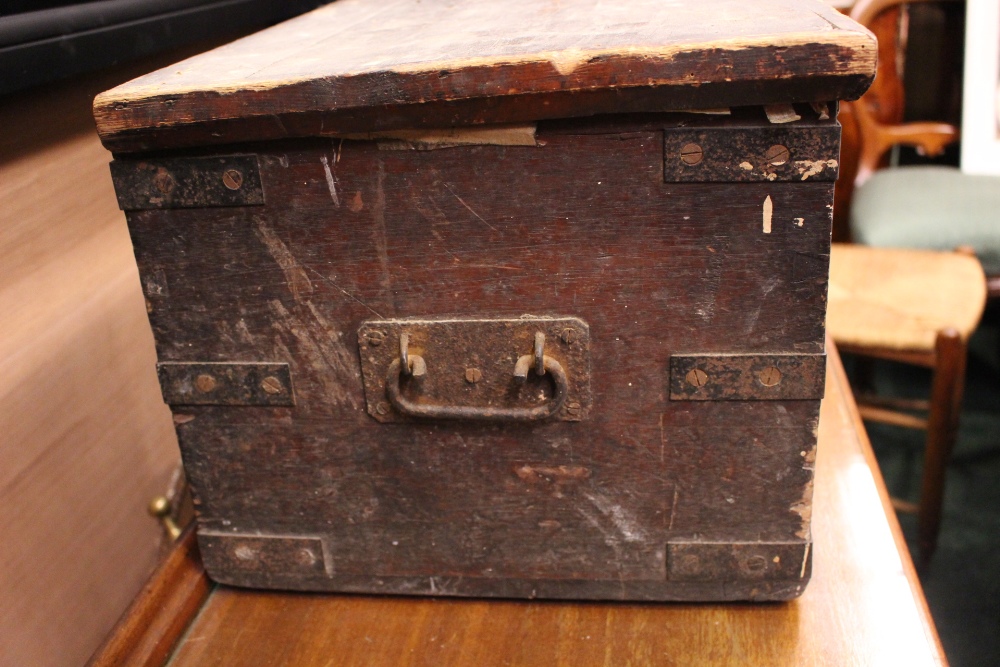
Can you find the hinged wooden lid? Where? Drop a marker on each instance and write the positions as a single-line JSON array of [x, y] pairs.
[[365, 65]]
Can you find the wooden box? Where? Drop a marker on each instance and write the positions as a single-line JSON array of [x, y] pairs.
[[471, 300]]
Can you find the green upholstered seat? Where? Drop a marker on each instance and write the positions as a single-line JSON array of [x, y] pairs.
[[932, 208]]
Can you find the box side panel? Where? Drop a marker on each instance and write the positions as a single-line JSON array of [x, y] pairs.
[[580, 226]]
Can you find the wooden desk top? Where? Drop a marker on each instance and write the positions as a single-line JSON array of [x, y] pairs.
[[864, 605]]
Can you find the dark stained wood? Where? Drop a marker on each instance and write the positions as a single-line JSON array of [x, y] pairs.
[[947, 361], [844, 189], [993, 286], [442, 64], [864, 606], [582, 225], [152, 626], [948, 386]]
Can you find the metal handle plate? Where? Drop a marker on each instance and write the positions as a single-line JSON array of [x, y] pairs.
[[476, 370], [406, 407]]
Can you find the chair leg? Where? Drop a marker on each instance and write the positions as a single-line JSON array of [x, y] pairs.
[[865, 374], [946, 400]]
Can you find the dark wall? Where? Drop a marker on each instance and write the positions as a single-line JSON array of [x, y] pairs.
[[46, 40]]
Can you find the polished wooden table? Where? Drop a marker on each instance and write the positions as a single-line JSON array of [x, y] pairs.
[[864, 605]]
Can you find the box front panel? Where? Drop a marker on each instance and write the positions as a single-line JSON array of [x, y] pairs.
[[647, 496]]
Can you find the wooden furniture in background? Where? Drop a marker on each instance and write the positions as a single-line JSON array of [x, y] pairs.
[[921, 44], [885, 102], [927, 207], [879, 112], [864, 605], [917, 307]]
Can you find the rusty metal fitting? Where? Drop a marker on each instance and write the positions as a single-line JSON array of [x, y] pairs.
[[540, 353]]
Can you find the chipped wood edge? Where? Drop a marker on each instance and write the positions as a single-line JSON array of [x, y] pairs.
[[564, 62], [152, 626], [511, 134], [632, 64], [781, 113]]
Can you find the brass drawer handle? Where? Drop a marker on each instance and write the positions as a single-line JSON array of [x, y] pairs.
[[161, 508], [418, 368]]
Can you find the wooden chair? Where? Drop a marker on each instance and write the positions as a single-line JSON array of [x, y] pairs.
[[917, 307], [913, 306], [930, 207]]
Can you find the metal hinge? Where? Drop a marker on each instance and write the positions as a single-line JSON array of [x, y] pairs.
[[189, 182], [741, 155], [222, 383], [696, 560], [747, 377]]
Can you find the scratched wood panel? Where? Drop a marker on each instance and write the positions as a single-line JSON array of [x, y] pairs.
[[441, 64], [580, 225], [864, 605]]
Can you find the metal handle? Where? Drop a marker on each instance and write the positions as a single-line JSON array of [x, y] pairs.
[[161, 508], [552, 369]]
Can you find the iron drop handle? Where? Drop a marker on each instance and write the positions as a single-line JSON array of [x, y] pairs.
[[417, 369]]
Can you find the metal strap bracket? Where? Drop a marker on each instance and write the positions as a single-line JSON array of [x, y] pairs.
[[747, 377]]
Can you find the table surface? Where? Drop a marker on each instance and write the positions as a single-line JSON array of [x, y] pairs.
[[864, 605]]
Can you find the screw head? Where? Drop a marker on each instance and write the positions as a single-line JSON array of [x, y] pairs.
[[573, 408], [375, 338], [473, 375], [755, 564], [232, 179], [382, 408], [696, 377], [164, 182], [691, 154], [568, 335], [205, 383], [271, 385], [777, 155], [689, 564], [769, 377]]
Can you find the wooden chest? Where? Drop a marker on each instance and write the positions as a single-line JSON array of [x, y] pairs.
[[471, 300]]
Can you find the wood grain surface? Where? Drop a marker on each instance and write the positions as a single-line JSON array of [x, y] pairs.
[[581, 224], [864, 606], [440, 63], [153, 624], [85, 440]]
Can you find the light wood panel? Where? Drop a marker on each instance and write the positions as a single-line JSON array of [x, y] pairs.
[[864, 605], [86, 439], [899, 299]]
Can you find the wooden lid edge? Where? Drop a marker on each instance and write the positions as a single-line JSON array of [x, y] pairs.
[[854, 60]]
